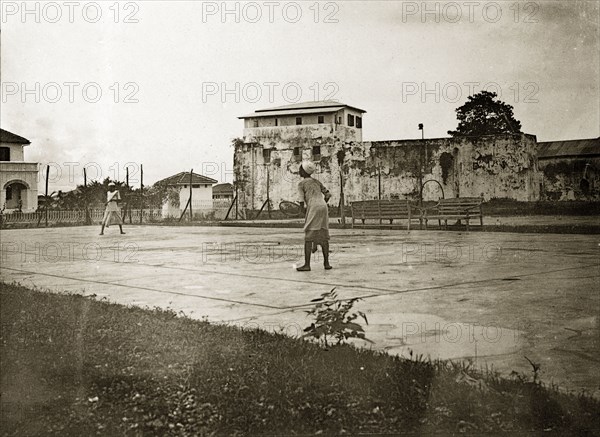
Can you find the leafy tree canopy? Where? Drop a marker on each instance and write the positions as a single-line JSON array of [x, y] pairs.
[[483, 114], [94, 196]]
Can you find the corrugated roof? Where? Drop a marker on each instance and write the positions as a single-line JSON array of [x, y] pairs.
[[293, 112], [322, 106], [183, 178], [9, 137], [586, 147]]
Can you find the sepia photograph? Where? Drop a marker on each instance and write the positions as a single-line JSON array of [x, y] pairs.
[[298, 218]]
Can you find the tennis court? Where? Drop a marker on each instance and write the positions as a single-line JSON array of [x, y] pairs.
[[489, 297]]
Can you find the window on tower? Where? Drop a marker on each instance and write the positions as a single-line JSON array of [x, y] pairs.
[[316, 151]]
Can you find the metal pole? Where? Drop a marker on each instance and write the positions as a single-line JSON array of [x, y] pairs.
[[127, 205], [253, 177], [141, 192], [190, 201], [268, 196], [420, 178], [379, 182], [342, 201], [426, 154], [230, 208], [46, 203], [87, 212]]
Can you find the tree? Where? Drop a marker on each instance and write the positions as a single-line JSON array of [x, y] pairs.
[[92, 196], [483, 115]]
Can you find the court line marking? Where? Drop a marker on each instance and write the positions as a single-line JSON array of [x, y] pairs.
[[158, 290], [385, 291]]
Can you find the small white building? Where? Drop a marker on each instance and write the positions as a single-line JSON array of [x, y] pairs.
[[201, 187], [18, 178], [223, 192]]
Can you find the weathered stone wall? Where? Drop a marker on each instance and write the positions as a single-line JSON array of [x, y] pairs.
[[270, 151], [501, 166], [570, 178]]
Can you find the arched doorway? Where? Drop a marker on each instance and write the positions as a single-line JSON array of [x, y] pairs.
[[16, 195]]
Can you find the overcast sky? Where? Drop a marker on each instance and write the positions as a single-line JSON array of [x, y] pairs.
[[175, 75]]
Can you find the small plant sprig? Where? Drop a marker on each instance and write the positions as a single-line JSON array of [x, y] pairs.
[[535, 369], [334, 320]]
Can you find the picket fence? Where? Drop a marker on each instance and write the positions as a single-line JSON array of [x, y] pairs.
[[77, 216], [202, 210]]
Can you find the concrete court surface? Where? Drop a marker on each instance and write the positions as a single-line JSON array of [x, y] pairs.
[[492, 298]]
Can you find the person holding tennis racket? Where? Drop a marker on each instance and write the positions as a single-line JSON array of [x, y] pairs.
[[112, 214], [314, 197]]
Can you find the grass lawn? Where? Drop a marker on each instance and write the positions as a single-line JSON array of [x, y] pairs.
[[72, 365]]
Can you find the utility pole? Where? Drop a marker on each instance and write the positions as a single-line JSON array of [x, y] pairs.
[[190, 201]]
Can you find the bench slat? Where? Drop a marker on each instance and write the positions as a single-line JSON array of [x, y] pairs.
[[379, 210], [460, 208]]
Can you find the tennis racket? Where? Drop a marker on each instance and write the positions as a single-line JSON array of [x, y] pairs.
[[290, 209]]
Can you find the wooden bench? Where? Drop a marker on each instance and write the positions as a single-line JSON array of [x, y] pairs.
[[459, 208], [381, 210]]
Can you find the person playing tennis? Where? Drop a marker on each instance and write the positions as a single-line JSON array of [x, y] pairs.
[[112, 214], [314, 196]]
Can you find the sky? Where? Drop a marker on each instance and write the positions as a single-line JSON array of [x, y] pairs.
[[111, 85]]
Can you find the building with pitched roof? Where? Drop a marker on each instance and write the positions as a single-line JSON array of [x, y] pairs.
[[179, 189], [571, 169], [223, 192], [18, 178]]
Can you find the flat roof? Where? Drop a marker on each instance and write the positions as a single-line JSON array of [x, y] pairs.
[[293, 112], [323, 106]]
